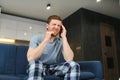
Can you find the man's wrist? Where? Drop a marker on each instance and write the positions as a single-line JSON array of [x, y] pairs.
[[45, 40], [64, 38]]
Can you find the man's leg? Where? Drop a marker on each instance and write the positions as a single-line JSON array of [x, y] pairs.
[[71, 70], [35, 70]]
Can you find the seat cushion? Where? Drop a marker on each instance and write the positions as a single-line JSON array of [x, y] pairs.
[[7, 58], [21, 59], [12, 77], [52, 77], [86, 75]]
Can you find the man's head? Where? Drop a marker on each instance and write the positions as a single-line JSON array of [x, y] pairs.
[[54, 24], [53, 17]]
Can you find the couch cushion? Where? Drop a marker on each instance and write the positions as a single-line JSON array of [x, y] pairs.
[[86, 75], [7, 58], [12, 77], [21, 59], [52, 77]]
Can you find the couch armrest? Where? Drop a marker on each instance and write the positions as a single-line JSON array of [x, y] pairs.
[[92, 66]]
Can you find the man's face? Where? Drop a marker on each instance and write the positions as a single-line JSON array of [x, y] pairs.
[[55, 26]]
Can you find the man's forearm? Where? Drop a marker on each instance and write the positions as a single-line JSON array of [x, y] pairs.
[[35, 53], [67, 51]]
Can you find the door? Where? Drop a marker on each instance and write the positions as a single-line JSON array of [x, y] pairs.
[[109, 54]]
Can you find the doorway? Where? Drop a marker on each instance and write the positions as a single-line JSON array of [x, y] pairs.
[[109, 54]]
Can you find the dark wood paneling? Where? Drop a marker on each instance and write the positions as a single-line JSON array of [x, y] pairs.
[[84, 30]]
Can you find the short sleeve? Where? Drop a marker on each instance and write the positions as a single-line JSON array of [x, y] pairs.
[[35, 40]]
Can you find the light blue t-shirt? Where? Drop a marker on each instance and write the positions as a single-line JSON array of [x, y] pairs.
[[52, 51]]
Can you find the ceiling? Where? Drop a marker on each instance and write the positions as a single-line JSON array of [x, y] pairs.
[[36, 9]]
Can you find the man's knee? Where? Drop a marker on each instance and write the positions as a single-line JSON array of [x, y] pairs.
[[74, 64], [35, 69], [35, 64]]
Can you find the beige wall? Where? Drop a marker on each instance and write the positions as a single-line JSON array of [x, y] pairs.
[[19, 28]]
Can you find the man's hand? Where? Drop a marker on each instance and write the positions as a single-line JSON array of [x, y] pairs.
[[63, 33], [48, 35]]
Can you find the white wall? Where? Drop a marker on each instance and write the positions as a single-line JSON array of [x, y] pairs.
[[19, 28]]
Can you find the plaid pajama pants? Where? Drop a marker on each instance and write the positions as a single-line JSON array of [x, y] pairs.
[[37, 71]]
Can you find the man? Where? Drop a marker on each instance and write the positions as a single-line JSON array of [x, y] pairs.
[[44, 53]]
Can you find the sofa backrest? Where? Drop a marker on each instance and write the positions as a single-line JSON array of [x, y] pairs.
[[21, 59], [13, 59], [7, 59]]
